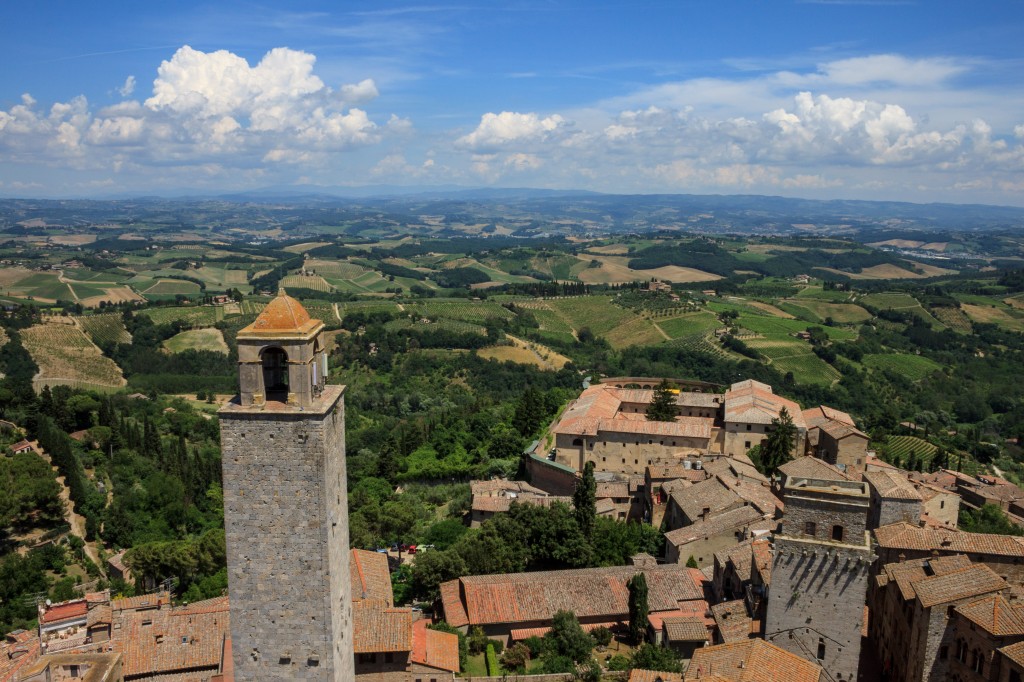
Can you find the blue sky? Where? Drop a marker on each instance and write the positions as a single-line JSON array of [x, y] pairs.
[[916, 101]]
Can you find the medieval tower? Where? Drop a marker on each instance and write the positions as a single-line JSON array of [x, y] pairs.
[[286, 504], [820, 568]]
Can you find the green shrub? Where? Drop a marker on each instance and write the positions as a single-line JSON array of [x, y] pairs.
[[493, 668]]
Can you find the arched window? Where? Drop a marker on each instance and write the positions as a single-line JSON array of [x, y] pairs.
[[275, 370], [577, 441]]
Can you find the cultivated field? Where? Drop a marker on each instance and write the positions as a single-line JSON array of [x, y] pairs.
[[913, 367], [106, 328], [66, 356], [614, 270], [197, 339], [817, 310], [525, 353], [194, 316], [1004, 317]]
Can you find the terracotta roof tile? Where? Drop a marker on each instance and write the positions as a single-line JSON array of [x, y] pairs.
[[70, 610], [715, 524], [812, 467], [753, 660], [434, 648], [169, 640], [378, 629], [733, 622], [976, 580], [685, 629], [638, 675], [839, 430], [909, 537], [1014, 652], [495, 505], [589, 592], [997, 616], [891, 485], [284, 314], [371, 578]]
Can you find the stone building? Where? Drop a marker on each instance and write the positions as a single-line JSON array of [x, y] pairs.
[[722, 531], [913, 606], [286, 504], [893, 498], [819, 574], [749, 408], [1004, 554]]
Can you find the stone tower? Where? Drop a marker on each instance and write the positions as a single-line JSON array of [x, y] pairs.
[[286, 504], [820, 565]]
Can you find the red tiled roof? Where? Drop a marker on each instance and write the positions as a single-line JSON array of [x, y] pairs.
[[733, 622], [143, 601], [66, 611], [753, 660], [996, 615], [434, 648], [892, 485], [716, 524], [370, 576], [174, 640], [839, 430], [976, 580], [903, 535], [496, 505], [589, 592], [379, 629], [1014, 652], [638, 675], [283, 314], [685, 629]]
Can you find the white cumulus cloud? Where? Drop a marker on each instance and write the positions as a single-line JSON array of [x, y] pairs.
[[496, 130]]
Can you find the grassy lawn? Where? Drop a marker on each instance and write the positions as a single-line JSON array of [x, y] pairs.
[[689, 325]]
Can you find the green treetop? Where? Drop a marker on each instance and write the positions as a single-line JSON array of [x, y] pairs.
[[663, 406]]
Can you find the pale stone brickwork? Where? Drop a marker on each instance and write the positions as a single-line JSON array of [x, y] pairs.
[[286, 525], [286, 505], [816, 601]]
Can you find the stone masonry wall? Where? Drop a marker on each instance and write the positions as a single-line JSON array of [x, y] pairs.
[[817, 597], [286, 525]]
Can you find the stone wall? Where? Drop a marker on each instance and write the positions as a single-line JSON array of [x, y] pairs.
[[816, 602], [286, 526]]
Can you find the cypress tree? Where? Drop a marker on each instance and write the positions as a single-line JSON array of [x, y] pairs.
[[638, 607], [584, 501], [663, 406]]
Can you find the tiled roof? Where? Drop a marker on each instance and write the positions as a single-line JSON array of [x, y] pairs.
[[370, 576], [612, 490], [739, 557], [751, 402], [434, 648], [454, 610], [1006, 492], [172, 640], [685, 629], [98, 615], [839, 430], [597, 409], [715, 524], [753, 660], [283, 314], [816, 416], [638, 675], [711, 494], [143, 601], [976, 580], [378, 629], [995, 615], [733, 621], [501, 485], [891, 485], [734, 466], [903, 535], [812, 467], [495, 505], [672, 471], [71, 610], [589, 592], [1014, 652], [761, 551]]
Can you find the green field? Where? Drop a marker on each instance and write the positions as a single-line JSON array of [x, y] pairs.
[[172, 287], [197, 339], [195, 316], [774, 326], [107, 328], [792, 355], [905, 447], [841, 313], [689, 325], [913, 367], [467, 311]]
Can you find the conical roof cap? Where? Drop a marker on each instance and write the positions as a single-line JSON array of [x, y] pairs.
[[283, 316]]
